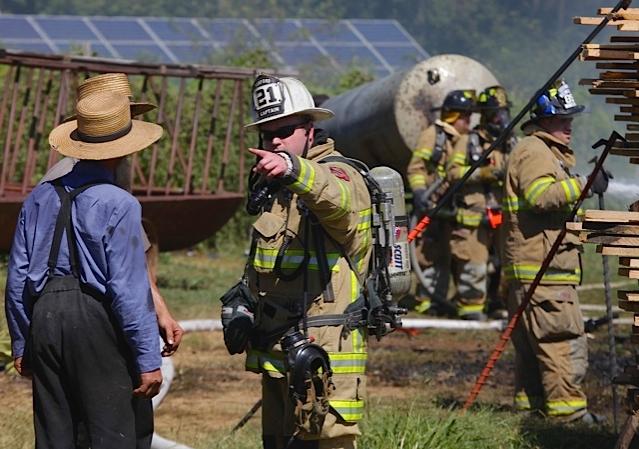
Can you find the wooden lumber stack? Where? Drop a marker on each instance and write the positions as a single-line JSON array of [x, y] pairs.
[[618, 80], [616, 233]]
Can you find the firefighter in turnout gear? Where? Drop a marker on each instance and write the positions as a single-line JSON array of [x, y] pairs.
[[478, 203], [311, 246], [550, 343], [426, 169]]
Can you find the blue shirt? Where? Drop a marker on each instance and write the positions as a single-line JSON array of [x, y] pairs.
[[106, 221]]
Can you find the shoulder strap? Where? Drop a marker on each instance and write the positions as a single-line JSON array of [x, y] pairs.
[[64, 224], [440, 144], [474, 147]]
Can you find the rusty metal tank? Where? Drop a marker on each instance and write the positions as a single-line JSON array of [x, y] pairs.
[[379, 122]]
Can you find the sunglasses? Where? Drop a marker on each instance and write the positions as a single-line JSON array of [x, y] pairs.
[[281, 133]]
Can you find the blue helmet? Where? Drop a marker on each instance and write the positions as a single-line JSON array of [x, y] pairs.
[[556, 101]]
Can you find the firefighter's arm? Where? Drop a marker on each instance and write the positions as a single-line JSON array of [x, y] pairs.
[[539, 187], [460, 164], [418, 171]]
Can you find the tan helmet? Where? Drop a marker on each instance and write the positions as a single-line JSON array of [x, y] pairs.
[[275, 98]]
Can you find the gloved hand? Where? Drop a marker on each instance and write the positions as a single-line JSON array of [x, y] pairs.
[[421, 203], [600, 183], [489, 173], [238, 305]]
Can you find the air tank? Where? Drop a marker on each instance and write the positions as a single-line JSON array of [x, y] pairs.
[[379, 122]]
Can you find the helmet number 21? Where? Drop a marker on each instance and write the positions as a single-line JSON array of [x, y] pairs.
[[267, 95]]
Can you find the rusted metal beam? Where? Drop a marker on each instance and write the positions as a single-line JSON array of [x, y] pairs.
[[211, 136], [7, 143], [229, 134], [17, 142], [195, 126]]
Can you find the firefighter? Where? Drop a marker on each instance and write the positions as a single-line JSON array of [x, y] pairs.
[[540, 189], [478, 203], [311, 245], [426, 174]]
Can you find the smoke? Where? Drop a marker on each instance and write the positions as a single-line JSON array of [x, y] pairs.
[[623, 188]]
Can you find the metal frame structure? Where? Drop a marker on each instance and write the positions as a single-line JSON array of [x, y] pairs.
[[189, 183]]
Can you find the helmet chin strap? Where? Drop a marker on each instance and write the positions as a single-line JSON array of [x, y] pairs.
[[307, 143]]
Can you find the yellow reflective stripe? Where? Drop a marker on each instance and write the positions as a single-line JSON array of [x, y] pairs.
[[513, 204], [572, 189], [344, 202], [441, 170], [358, 336], [305, 179], [259, 361], [527, 272], [365, 219], [422, 306], [348, 410], [417, 181], [468, 218], [423, 153], [348, 362], [265, 259], [537, 188], [522, 402], [465, 309], [459, 158], [556, 408], [464, 169]]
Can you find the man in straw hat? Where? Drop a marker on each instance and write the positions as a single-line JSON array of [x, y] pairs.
[[170, 330], [300, 271], [78, 302]]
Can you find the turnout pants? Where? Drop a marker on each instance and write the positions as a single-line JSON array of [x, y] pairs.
[[469, 249], [551, 351], [83, 378], [434, 260]]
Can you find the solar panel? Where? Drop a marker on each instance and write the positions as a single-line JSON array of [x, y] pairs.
[[329, 31], [226, 31], [67, 29], [16, 27], [175, 30], [378, 31], [285, 30], [121, 29], [381, 46]]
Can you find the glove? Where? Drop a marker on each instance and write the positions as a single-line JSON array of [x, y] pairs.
[[600, 183], [421, 203], [237, 317], [488, 173]]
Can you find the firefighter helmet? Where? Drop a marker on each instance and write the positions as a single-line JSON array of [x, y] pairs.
[[493, 97], [556, 101], [463, 100], [494, 106], [275, 98]]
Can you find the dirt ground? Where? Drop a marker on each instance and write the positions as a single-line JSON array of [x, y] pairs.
[[211, 391]]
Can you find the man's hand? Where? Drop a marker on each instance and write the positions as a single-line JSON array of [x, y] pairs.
[[21, 369], [600, 183], [171, 333], [421, 203], [149, 384], [272, 165]]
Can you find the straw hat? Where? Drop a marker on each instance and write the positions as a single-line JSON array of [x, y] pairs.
[[112, 82], [103, 129]]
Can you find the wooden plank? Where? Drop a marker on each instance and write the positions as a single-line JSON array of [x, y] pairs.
[[605, 11], [632, 137], [629, 262], [612, 100], [617, 65], [613, 240], [628, 295], [618, 251], [624, 38], [611, 216], [634, 160], [616, 47], [610, 228], [626, 118], [629, 109], [629, 93], [615, 84], [589, 54], [628, 152], [632, 127], [628, 272], [611, 75], [629, 306], [593, 21], [574, 226], [629, 25]]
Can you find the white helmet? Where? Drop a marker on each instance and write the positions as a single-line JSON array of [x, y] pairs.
[[275, 98]]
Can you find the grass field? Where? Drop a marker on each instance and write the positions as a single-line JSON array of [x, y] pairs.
[[415, 383]]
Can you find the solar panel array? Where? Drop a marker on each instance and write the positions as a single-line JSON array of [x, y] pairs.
[[382, 46]]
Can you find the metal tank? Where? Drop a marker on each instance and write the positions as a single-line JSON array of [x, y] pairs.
[[379, 122]]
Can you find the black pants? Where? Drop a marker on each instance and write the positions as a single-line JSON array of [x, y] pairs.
[[83, 377]]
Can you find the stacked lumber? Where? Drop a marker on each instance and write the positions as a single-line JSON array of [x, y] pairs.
[[618, 80], [616, 233]]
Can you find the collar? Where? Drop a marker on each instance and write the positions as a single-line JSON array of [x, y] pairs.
[[86, 171], [448, 129], [560, 149], [320, 151]]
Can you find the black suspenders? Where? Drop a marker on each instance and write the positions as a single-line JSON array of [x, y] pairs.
[[64, 225]]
